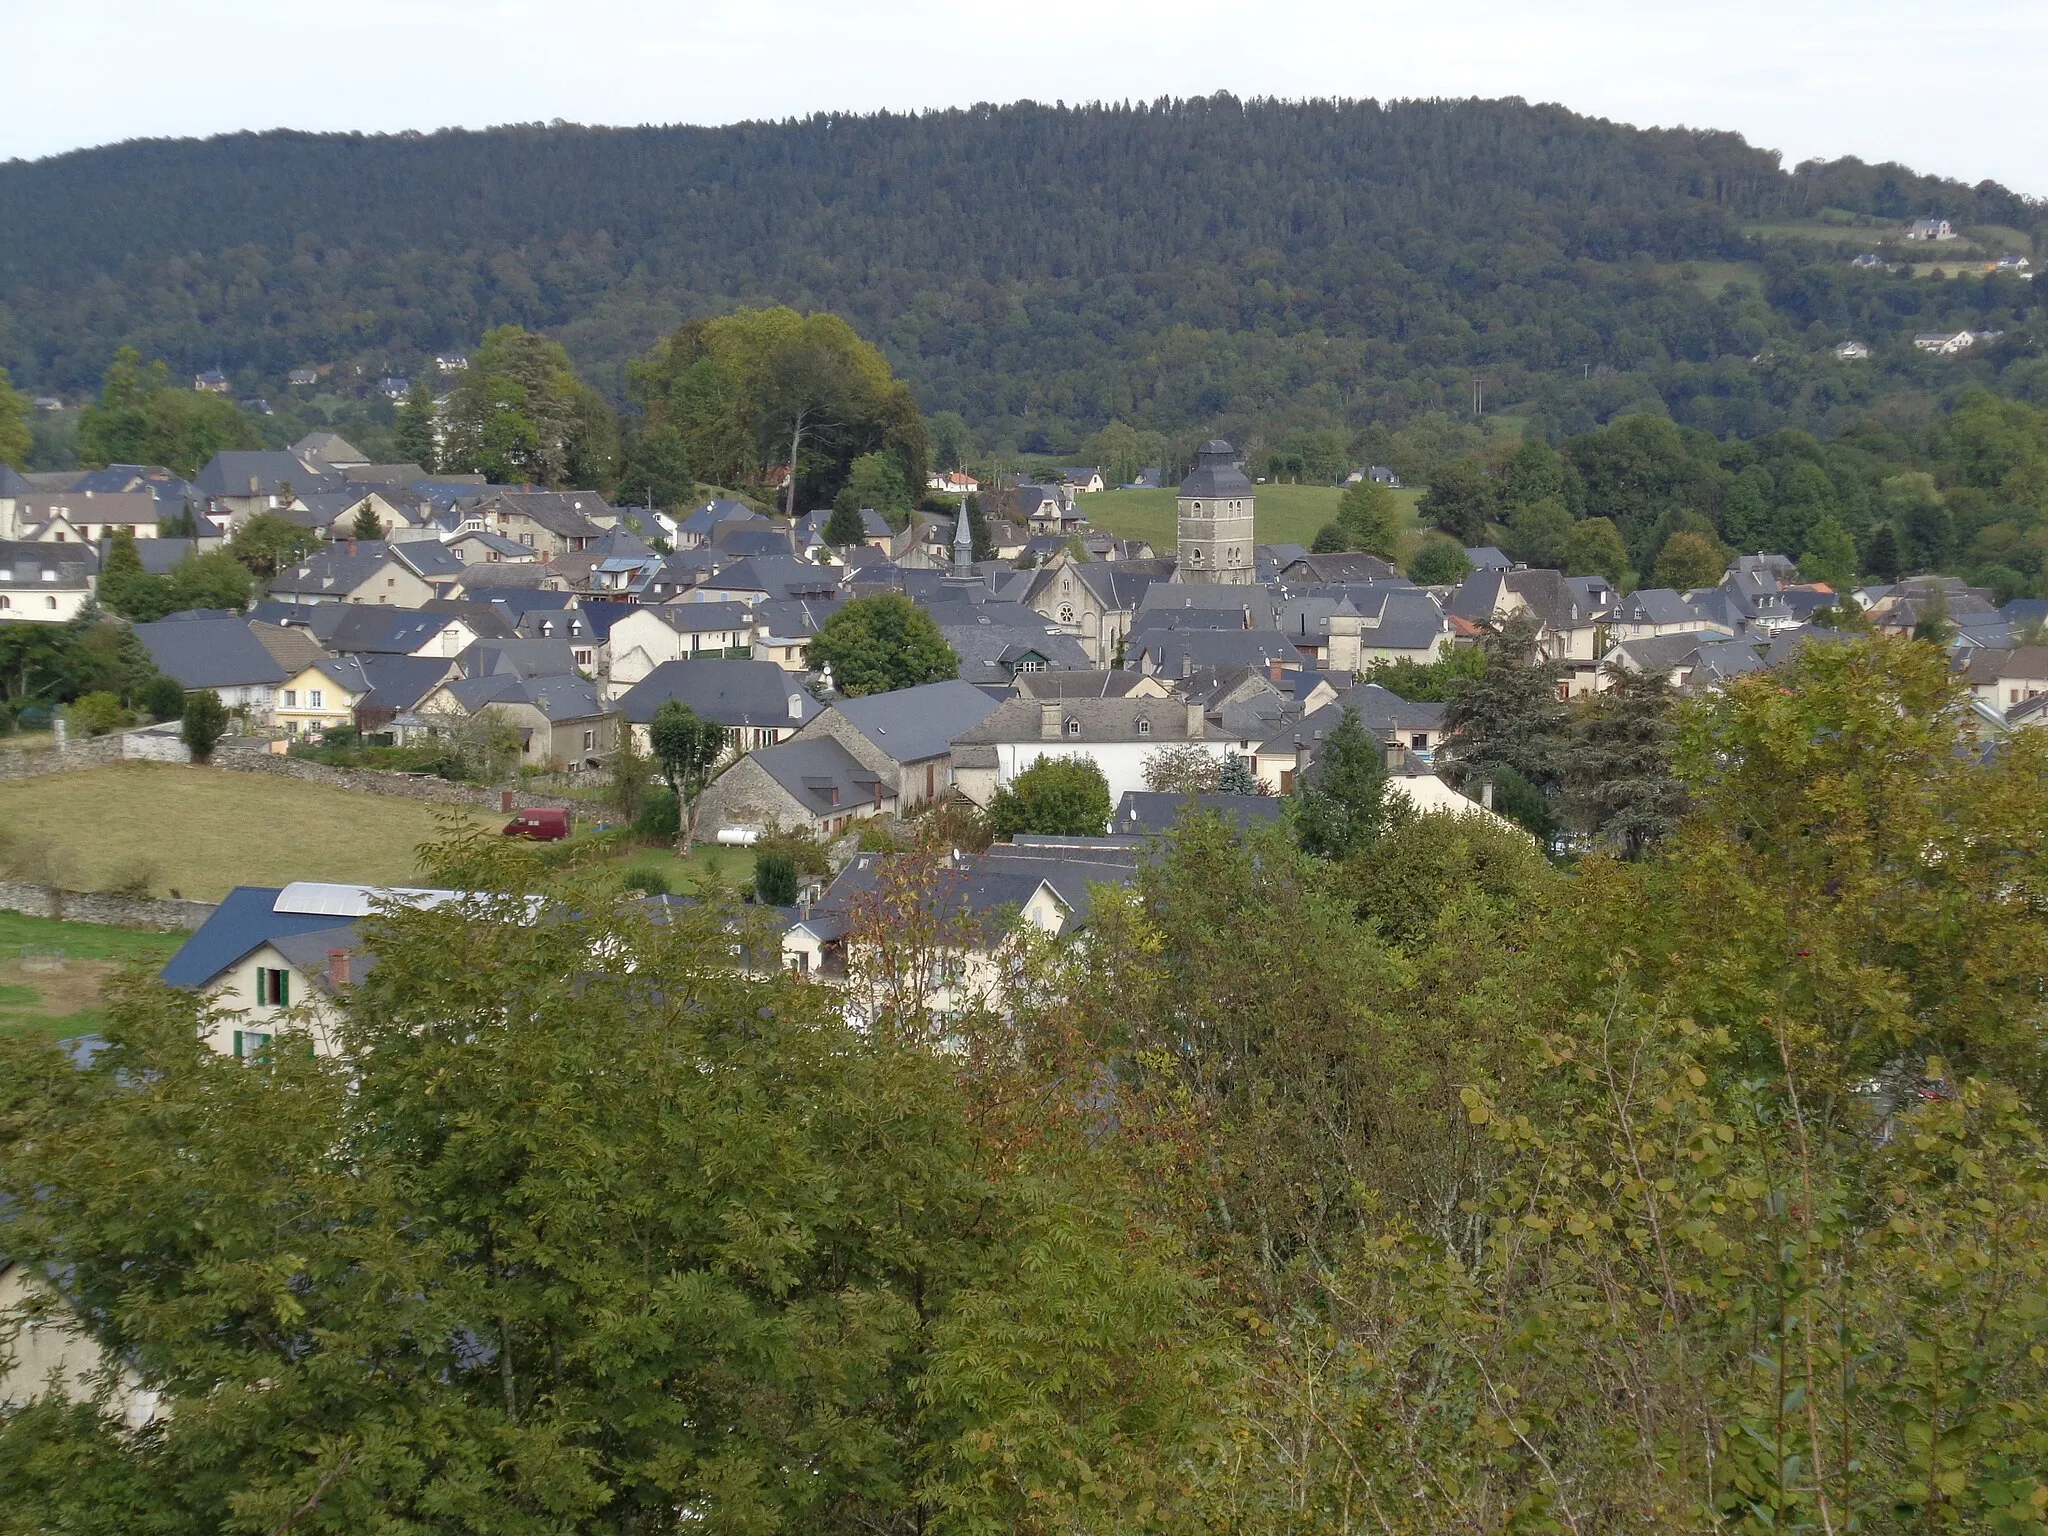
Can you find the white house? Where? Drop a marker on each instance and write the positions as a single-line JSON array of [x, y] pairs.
[[1117, 735]]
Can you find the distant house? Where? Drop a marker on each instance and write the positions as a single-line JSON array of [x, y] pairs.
[[1083, 481], [757, 703], [1868, 259], [816, 785], [1945, 343], [1852, 351], [2012, 264], [219, 651], [45, 583], [369, 571], [1150, 478], [451, 362], [236, 484], [952, 482], [697, 528], [394, 386], [551, 522], [211, 382], [1379, 474], [1652, 611], [302, 378], [1930, 229], [1116, 734], [331, 449], [83, 517]]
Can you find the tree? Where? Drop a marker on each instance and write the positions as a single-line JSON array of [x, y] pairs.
[[1122, 450], [1618, 780], [1594, 548], [1459, 501], [267, 543], [415, 437], [1830, 556], [205, 722], [1881, 556], [658, 467], [215, 579], [1342, 806], [1239, 777], [521, 415], [880, 643], [845, 527], [1055, 797], [1687, 561], [1534, 474], [775, 880], [952, 441], [1330, 539], [1181, 768], [1926, 529], [688, 749], [367, 525], [1508, 714], [125, 587], [1439, 562], [629, 769], [1537, 534], [163, 697], [15, 438], [95, 714], [139, 419], [1370, 518], [875, 481]]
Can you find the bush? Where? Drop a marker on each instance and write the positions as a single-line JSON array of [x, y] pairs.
[[1439, 563], [803, 849], [95, 714], [879, 837], [162, 698], [1056, 797], [659, 818], [775, 880], [206, 721], [649, 882]]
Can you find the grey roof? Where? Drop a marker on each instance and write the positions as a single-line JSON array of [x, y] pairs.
[[429, 558], [170, 490], [1654, 605], [776, 577], [1486, 558], [331, 448], [557, 698], [517, 658], [566, 514], [989, 652], [213, 650], [744, 541], [1143, 813], [1380, 710], [1664, 653], [912, 724], [794, 618], [712, 513], [1174, 651], [1079, 683], [1549, 597], [366, 627], [820, 774], [1724, 659], [333, 572], [346, 673], [400, 682], [730, 693], [1216, 473], [1123, 719], [23, 564], [1348, 566], [87, 506], [244, 921], [695, 618], [238, 472]]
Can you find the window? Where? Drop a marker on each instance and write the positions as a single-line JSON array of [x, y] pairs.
[[273, 988], [250, 1044], [1073, 727], [1144, 727], [6, 602], [49, 602], [315, 698], [291, 698], [1419, 741], [589, 740]]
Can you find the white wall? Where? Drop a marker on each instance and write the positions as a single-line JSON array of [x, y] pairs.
[[1122, 762]]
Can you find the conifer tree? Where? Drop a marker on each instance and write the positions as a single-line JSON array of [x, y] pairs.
[[1618, 778]]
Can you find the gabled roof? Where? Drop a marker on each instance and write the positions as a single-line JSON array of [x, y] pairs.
[[428, 558], [400, 682], [692, 618], [330, 448], [1380, 710], [567, 514], [238, 472], [1355, 565], [245, 921], [1080, 683], [345, 672], [1120, 719], [210, 650], [730, 693], [820, 774], [912, 724], [1655, 605], [517, 658], [334, 571], [1175, 651], [1142, 813], [776, 577], [712, 513]]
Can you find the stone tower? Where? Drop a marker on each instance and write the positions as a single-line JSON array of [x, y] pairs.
[[1216, 520]]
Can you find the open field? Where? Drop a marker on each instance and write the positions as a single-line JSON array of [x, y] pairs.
[[64, 1001], [202, 832], [1712, 278], [1286, 514], [731, 867]]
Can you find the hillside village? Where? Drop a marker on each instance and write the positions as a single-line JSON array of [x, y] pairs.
[[561, 621]]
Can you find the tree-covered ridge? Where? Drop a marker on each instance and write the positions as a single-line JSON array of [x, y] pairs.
[[1029, 266]]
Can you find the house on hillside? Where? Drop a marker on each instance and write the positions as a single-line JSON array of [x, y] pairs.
[[1930, 229], [371, 571], [757, 702], [85, 516], [648, 634], [45, 583], [321, 696], [1852, 351], [550, 522], [562, 723], [1945, 343], [218, 651]]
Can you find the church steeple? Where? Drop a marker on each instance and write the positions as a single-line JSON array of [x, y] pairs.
[[963, 542], [1215, 529]]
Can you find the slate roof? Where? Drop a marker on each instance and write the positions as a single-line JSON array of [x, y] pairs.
[[428, 558], [245, 920], [1143, 813], [794, 618], [292, 647], [1079, 683], [1177, 651], [712, 513], [1216, 473], [1351, 566], [209, 650], [363, 627], [731, 693], [819, 774], [517, 658], [1654, 605], [23, 562], [567, 514], [400, 682], [912, 724], [989, 651], [333, 572], [776, 577], [231, 471], [1379, 710], [695, 618], [1020, 720], [170, 491], [331, 448]]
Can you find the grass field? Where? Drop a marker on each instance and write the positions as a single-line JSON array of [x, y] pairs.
[[733, 867], [65, 1001], [1284, 514], [1713, 277], [202, 832]]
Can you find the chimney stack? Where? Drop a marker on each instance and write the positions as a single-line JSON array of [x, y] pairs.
[[1273, 670], [1049, 720], [1196, 724], [1301, 761], [337, 968], [1486, 795], [351, 545]]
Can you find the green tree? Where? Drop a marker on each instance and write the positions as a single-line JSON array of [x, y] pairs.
[[1687, 561], [1534, 474], [267, 543], [1439, 562], [1829, 556], [775, 880], [95, 714], [845, 527], [1238, 777], [952, 441], [1181, 768], [1055, 797], [1920, 515], [1594, 548], [140, 419], [1459, 501], [1370, 517], [1508, 714], [414, 436], [1342, 805], [688, 749], [880, 643], [15, 438], [1537, 533], [1430, 682], [205, 722], [658, 467], [125, 587], [1618, 780], [1330, 539], [1881, 557], [163, 697], [215, 579], [366, 525], [521, 415], [875, 481]]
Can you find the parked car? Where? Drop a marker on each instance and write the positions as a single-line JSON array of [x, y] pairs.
[[544, 824]]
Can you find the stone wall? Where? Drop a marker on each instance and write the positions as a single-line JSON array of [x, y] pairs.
[[31, 763], [99, 907], [244, 755]]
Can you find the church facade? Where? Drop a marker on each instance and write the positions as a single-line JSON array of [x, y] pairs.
[[1215, 532]]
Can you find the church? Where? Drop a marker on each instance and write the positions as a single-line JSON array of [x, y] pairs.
[[1215, 532]]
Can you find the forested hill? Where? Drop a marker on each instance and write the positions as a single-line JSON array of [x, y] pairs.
[[1034, 267]]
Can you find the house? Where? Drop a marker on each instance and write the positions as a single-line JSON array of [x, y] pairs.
[[1945, 343], [1379, 474], [451, 362], [330, 449], [954, 482], [697, 528], [783, 628], [1652, 611], [757, 702], [237, 484], [815, 785], [1416, 728], [369, 571], [1150, 478], [1930, 229], [1673, 656], [2006, 679], [906, 735], [321, 696], [1382, 623], [219, 651], [551, 522], [518, 658], [1116, 734], [84, 516], [1048, 509], [481, 546], [211, 382], [1337, 569], [1567, 617], [1852, 351], [563, 723], [302, 378], [45, 583], [1082, 482], [763, 579], [649, 634], [1868, 259], [394, 386], [49, 1346], [1180, 652], [998, 643]]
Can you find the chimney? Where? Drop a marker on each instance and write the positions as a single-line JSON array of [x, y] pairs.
[[1396, 756], [1486, 794], [337, 968], [1301, 761], [1187, 663], [1273, 670], [1049, 720], [1196, 724], [351, 545]]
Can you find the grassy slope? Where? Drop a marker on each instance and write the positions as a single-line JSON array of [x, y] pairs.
[[1284, 514], [203, 832], [66, 1002]]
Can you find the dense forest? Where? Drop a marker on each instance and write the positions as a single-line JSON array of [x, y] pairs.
[[1043, 270]]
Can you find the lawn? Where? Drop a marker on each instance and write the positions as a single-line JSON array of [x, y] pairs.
[[1284, 514], [201, 832], [732, 867], [57, 992]]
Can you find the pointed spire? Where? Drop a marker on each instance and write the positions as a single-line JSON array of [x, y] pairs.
[[963, 541]]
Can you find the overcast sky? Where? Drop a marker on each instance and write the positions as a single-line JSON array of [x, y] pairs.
[[1957, 90]]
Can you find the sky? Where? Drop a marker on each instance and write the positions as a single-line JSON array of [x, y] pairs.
[[1953, 90]]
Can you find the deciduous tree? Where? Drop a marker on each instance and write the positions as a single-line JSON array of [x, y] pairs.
[[1055, 796], [879, 643]]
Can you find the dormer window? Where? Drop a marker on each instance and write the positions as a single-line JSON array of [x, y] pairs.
[[1073, 727], [1144, 727]]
